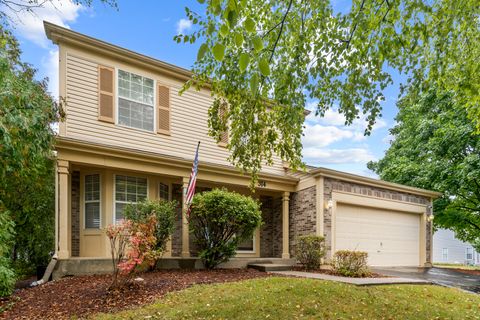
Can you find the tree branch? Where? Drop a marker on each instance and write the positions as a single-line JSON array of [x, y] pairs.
[[281, 30]]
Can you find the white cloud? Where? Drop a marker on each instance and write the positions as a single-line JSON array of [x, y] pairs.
[[319, 156], [183, 25], [322, 136], [50, 65], [30, 24]]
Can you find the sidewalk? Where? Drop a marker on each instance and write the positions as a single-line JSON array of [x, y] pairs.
[[354, 281]]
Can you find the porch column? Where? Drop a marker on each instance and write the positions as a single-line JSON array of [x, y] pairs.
[[285, 226], [63, 212], [185, 231]]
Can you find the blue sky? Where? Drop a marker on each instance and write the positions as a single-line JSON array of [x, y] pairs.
[[149, 29]]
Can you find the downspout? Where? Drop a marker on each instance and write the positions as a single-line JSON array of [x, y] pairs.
[[56, 206], [53, 262]]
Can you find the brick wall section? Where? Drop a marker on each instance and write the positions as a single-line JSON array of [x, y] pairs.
[[266, 231], [75, 211], [429, 236], [277, 228], [177, 233], [375, 192], [302, 215], [331, 185]]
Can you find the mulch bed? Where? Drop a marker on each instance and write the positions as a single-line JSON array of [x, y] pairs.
[[85, 295], [333, 273]]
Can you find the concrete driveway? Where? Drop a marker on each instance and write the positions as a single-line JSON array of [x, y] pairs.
[[441, 276]]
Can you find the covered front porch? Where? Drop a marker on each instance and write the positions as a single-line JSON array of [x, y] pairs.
[[95, 183]]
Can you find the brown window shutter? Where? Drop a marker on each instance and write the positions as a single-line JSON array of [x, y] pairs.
[[224, 135], [106, 89], [163, 114]]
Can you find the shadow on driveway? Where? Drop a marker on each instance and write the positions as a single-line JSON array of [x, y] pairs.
[[441, 276]]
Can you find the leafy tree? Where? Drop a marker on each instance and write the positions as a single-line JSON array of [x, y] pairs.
[[26, 168], [434, 147], [27, 113], [261, 56], [220, 220]]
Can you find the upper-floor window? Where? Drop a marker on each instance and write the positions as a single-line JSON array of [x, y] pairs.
[[135, 101], [469, 253]]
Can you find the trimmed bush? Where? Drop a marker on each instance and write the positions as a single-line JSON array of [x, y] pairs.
[[310, 250], [165, 214], [220, 220], [351, 263]]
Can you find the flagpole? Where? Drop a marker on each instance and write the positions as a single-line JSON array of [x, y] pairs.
[[187, 196]]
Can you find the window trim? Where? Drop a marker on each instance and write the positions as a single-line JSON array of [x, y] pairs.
[[84, 201], [169, 185], [117, 97], [254, 245], [466, 253], [445, 255], [114, 207]]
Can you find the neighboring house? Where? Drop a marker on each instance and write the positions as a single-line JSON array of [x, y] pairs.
[[448, 249], [128, 136]]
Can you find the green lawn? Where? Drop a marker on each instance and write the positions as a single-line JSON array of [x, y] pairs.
[[456, 266], [292, 298]]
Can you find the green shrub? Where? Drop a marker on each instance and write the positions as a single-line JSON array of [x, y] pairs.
[[351, 263], [7, 275], [220, 220], [310, 250], [164, 212]]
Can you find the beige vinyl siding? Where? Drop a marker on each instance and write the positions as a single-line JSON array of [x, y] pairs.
[[188, 115]]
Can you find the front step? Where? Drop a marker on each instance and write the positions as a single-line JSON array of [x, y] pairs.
[[267, 267]]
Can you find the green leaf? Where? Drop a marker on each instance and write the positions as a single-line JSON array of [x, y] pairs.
[[249, 25], [201, 1], [219, 51], [238, 39], [201, 51], [243, 61], [223, 30], [254, 83], [257, 43], [264, 67], [211, 29]]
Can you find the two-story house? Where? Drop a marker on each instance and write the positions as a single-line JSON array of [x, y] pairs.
[[128, 135]]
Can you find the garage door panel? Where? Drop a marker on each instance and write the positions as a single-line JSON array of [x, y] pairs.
[[390, 238]]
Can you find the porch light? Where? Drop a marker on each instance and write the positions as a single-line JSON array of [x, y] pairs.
[[329, 204], [430, 217]]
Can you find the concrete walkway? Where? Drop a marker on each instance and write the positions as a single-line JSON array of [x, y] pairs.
[[354, 281]]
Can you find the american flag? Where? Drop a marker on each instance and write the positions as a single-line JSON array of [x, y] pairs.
[[191, 184]]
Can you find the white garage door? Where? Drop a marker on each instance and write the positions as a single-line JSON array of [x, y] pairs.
[[391, 238]]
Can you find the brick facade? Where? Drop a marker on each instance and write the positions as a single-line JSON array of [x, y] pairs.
[[75, 210], [271, 230], [302, 220], [177, 233]]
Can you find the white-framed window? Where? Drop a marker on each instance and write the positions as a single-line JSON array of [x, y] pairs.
[[247, 246], [445, 254], [92, 201], [163, 191], [469, 253], [136, 101], [128, 190]]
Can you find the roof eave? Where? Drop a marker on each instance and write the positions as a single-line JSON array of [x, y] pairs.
[[373, 182]]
